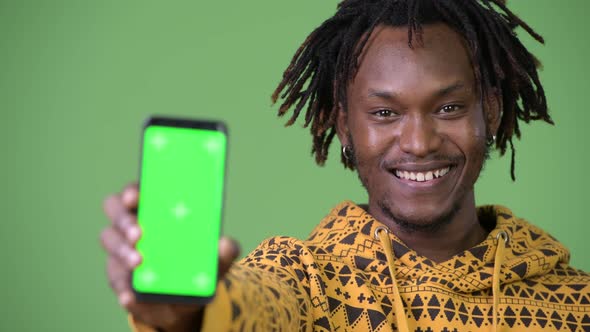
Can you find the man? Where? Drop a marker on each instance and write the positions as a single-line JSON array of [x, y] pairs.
[[417, 92]]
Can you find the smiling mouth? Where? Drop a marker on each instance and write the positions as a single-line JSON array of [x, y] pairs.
[[422, 176]]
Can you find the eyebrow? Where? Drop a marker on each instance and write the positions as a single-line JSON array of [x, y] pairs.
[[451, 88], [390, 95]]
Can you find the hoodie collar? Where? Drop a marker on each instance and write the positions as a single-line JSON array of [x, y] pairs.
[[528, 252]]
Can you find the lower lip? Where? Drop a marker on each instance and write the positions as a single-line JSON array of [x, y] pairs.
[[426, 184]]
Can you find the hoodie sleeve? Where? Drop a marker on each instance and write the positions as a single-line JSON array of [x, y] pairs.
[[265, 291]]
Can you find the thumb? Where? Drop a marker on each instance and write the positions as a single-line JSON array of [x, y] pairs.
[[229, 250]]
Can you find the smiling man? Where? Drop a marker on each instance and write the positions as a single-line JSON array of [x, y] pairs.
[[417, 93], [414, 128]]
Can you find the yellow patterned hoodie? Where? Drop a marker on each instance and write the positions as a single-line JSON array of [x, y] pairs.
[[351, 274]]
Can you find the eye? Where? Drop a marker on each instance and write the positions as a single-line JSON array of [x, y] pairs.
[[450, 109], [384, 113]]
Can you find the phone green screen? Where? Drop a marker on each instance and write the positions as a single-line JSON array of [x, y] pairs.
[[179, 212]]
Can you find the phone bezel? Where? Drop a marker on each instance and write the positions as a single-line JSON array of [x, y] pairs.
[[176, 122]]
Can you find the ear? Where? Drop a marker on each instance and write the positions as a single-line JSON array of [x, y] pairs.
[[342, 125], [493, 112]]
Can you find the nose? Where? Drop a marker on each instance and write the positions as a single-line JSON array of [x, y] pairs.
[[419, 136]]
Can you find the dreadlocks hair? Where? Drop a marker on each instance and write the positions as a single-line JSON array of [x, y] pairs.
[[322, 67]]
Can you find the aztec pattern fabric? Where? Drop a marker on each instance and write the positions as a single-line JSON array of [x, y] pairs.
[[340, 280]]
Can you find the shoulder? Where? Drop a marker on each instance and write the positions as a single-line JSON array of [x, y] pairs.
[[542, 252], [283, 251], [283, 245]]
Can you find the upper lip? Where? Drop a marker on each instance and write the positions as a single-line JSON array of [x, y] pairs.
[[422, 167]]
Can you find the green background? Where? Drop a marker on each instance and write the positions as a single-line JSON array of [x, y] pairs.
[[77, 78]]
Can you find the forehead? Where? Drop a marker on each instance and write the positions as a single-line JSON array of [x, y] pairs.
[[440, 59]]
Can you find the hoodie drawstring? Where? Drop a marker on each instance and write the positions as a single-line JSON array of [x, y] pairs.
[[502, 238], [382, 234]]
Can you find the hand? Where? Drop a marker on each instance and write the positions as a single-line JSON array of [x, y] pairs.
[[119, 240]]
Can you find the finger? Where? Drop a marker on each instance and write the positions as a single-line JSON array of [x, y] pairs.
[[229, 250], [128, 226], [123, 221], [113, 207], [130, 196], [118, 275], [117, 247], [127, 300]]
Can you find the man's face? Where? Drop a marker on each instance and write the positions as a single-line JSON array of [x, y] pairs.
[[416, 125]]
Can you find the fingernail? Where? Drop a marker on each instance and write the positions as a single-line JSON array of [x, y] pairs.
[[134, 258], [133, 233], [128, 196], [125, 299]]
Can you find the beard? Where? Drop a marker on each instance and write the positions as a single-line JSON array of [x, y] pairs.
[[412, 224]]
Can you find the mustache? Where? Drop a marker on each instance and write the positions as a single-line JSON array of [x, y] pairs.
[[392, 163]]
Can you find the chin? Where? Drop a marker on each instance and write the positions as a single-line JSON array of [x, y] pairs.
[[414, 217]]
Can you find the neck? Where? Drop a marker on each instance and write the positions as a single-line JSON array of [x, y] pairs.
[[462, 232]]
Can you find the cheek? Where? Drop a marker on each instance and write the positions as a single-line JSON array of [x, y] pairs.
[[371, 144], [470, 138], [469, 133], [467, 138], [478, 124]]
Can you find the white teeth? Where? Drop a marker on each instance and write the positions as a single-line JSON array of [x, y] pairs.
[[422, 176]]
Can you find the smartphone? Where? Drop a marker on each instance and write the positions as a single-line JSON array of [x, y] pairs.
[[181, 190]]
